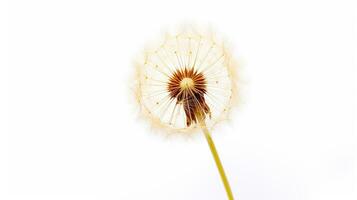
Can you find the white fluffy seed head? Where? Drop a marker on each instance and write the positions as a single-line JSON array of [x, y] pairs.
[[191, 61]]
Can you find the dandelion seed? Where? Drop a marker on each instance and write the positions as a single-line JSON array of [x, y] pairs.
[[186, 84]]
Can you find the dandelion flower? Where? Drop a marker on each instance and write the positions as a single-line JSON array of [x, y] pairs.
[[186, 83]]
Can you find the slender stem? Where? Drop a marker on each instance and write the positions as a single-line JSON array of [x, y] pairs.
[[216, 159]]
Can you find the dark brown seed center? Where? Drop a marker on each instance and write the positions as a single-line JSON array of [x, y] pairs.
[[189, 87]]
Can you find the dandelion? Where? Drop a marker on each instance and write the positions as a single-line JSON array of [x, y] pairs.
[[186, 83]]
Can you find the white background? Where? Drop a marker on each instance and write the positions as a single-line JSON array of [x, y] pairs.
[[69, 129]]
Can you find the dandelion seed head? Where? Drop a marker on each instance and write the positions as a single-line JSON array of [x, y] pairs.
[[186, 78]]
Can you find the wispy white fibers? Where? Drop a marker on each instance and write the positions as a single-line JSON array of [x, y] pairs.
[[188, 49]]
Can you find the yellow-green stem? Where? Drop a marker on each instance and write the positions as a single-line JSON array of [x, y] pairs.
[[216, 159]]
